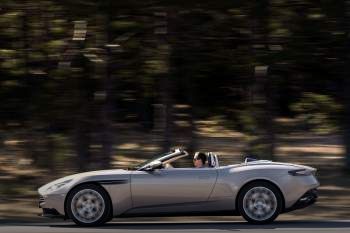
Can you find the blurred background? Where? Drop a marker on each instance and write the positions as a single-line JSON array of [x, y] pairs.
[[89, 85]]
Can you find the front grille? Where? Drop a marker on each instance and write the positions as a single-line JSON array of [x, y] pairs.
[[314, 173], [41, 200]]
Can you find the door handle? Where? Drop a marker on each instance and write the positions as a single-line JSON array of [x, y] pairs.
[[204, 177]]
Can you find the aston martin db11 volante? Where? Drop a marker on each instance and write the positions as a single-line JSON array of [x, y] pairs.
[[258, 190]]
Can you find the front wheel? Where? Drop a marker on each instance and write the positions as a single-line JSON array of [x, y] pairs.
[[88, 205], [260, 202]]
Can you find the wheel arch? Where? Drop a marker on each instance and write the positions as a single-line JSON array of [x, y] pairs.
[[85, 183], [261, 180]]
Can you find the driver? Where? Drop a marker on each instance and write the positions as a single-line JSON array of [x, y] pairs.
[[199, 159]]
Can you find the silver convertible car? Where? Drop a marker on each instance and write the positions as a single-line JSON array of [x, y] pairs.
[[258, 190]]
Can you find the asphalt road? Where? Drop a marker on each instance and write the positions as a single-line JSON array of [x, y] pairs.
[[183, 226]]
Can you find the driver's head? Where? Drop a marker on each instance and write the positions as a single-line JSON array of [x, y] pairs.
[[199, 159]]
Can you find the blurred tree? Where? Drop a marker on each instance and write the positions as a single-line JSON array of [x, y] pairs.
[[347, 85], [82, 69]]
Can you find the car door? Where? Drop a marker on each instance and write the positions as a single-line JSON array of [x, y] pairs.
[[172, 186]]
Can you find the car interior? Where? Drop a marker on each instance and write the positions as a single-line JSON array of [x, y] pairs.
[[183, 162]]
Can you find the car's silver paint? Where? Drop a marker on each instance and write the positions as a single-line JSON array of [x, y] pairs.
[[183, 189], [232, 178], [172, 186], [120, 196]]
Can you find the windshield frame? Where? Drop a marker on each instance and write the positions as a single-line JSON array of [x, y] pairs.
[[162, 158]]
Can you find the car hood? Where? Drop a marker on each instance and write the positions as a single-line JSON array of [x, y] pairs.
[[92, 176]]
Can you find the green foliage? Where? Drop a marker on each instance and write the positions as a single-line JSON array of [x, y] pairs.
[[54, 46], [125, 25], [319, 112], [247, 120]]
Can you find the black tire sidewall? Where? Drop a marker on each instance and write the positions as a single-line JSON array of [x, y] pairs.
[[108, 208], [260, 184]]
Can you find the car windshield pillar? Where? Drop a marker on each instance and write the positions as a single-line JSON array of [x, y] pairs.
[[161, 158]]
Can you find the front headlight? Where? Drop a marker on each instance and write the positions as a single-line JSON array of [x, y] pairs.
[[54, 187], [301, 172]]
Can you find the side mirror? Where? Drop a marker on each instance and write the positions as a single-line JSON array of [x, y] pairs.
[[154, 165]]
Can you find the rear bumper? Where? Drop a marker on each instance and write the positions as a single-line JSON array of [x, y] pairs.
[[309, 198]]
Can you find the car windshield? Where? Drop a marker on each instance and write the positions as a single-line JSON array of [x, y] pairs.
[[152, 159]]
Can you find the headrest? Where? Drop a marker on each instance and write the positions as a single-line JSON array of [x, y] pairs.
[[212, 160]]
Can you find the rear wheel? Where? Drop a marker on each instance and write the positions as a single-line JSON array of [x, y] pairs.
[[260, 202], [88, 205]]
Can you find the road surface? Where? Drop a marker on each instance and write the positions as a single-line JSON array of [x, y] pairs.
[[181, 226]]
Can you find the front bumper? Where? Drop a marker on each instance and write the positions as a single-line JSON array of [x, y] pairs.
[[52, 205], [309, 198], [48, 212], [51, 213]]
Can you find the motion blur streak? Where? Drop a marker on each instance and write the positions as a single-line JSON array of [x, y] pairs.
[[89, 85]]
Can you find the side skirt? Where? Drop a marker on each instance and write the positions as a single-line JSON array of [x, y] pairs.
[[172, 214]]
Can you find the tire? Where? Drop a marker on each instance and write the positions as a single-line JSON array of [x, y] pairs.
[[89, 205], [260, 202]]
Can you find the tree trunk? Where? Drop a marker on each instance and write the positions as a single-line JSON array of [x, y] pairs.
[[347, 87], [262, 100], [105, 72], [165, 83], [82, 143]]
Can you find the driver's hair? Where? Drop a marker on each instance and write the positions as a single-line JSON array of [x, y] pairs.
[[200, 155]]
